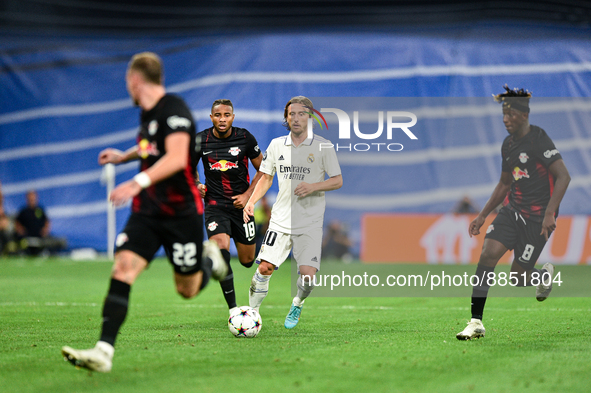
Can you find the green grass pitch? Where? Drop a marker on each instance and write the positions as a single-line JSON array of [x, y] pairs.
[[368, 344]]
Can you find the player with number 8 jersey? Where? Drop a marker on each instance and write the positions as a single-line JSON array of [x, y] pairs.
[[225, 151], [533, 181]]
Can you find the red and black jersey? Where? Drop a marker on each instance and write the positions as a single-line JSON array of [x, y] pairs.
[[176, 195], [225, 164], [528, 160]]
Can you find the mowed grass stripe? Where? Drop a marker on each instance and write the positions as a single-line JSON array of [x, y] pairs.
[[169, 344]]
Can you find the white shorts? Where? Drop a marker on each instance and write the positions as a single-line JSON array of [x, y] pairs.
[[307, 248]]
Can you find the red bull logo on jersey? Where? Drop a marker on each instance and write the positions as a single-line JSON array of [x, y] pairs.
[[223, 165], [147, 148], [519, 173]]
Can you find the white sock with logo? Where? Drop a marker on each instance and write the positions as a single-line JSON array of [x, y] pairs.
[[259, 287], [305, 288]]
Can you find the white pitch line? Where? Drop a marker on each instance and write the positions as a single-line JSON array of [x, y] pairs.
[[342, 307]]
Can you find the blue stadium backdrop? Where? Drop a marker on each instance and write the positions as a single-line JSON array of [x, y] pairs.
[[64, 99]]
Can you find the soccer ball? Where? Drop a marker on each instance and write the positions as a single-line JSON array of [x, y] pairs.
[[245, 322]]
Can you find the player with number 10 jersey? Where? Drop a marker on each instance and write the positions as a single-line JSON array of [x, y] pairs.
[[306, 166]]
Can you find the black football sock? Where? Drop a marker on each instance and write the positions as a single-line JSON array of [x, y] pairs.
[[114, 310], [206, 264], [227, 285], [480, 291], [539, 274], [248, 264], [226, 255]]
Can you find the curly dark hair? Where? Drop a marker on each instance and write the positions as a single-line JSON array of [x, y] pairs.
[[222, 101], [514, 98]]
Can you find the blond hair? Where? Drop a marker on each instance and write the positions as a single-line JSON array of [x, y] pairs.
[[149, 65]]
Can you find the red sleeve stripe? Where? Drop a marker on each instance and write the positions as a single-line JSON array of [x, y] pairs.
[[193, 187], [246, 165]]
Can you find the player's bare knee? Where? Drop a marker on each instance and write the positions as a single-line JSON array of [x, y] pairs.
[[488, 258], [222, 240], [246, 254], [128, 266], [246, 259], [266, 268], [248, 264], [123, 272], [187, 292]]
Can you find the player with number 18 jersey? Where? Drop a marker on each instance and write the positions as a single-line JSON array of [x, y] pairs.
[[225, 151]]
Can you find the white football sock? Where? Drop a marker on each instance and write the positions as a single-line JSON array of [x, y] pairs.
[[259, 287], [305, 288]]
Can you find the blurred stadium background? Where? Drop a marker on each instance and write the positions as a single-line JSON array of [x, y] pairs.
[[63, 93]]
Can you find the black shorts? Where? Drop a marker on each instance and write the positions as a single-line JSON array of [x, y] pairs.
[[520, 234], [229, 220], [182, 238]]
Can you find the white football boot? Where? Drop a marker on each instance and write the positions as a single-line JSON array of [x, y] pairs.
[[543, 291], [99, 358], [475, 329], [219, 268]]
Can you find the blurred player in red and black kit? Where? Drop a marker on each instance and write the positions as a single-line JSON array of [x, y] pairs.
[[166, 208], [225, 151], [533, 182]]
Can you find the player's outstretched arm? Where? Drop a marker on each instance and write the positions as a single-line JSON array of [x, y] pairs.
[[260, 189], [115, 156], [304, 189], [562, 179], [497, 197], [241, 200]]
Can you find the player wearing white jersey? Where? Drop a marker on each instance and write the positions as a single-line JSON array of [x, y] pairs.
[[302, 160]]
